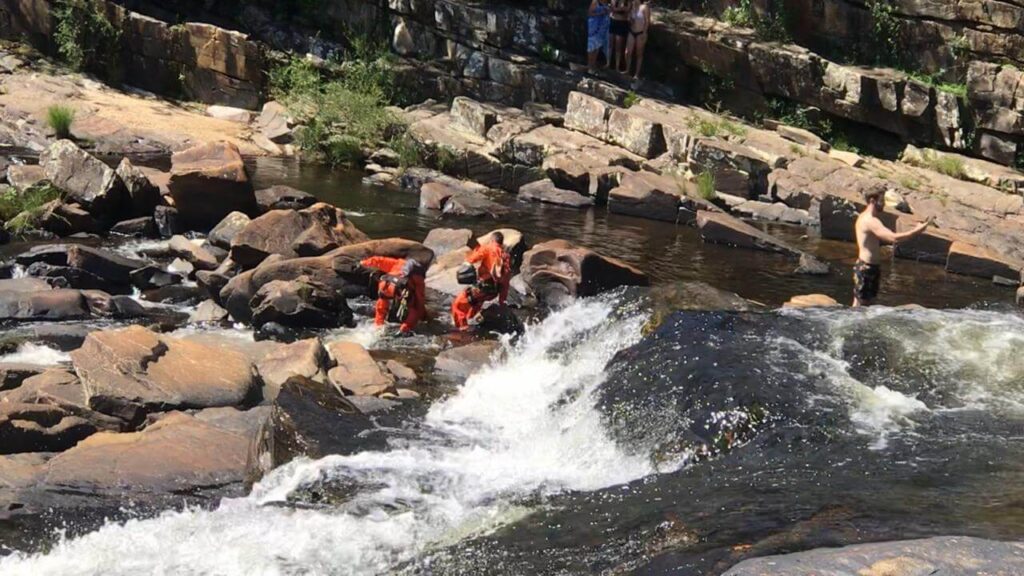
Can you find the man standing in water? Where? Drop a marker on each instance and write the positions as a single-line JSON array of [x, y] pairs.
[[871, 233]]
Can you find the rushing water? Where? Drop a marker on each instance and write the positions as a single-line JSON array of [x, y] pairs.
[[587, 448]]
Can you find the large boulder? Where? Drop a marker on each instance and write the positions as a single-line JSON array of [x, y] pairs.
[[226, 230], [86, 180], [982, 262], [646, 195], [545, 191], [313, 418], [131, 371], [462, 361], [193, 252], [60, 304], [83, 266], [939, 555], [208, 182], [45, 427], [356, 372], [294, 233], [445, 240], [180, 453], [720, 228], [300, 303], [142, 196], [12, 374], [338, 270], [281, 197], [588, 114], [305, 358], [558, 269]]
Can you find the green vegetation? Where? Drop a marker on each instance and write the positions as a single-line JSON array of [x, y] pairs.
[[22, 210], [86, 39], [444, 159], [934, 80], [408, 151], [910, 183], [548, 53], [886, 32], [59, 118], [944, 164], [793, 114], [710, 127], [706, 185], [630, 99], [346, 113], [772, 27]]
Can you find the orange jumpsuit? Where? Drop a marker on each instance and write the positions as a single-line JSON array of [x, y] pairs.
[[386, 292], [490, 260]]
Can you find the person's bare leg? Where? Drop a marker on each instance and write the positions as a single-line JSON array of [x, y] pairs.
[[591, 61], [630, 46], [641, 43]]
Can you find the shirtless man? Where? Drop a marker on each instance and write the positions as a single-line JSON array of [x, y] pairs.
[[871, 233]]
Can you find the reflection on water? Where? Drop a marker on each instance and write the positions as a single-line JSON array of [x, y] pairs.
[[665, 251]]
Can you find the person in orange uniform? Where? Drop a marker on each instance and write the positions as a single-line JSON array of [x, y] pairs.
[[402, 279], [494, 271]]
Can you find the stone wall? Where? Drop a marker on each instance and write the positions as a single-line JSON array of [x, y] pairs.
[[196, 60], [941, 35]]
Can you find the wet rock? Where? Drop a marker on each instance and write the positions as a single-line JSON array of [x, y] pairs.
[[695, 295], [132, 371], [213, 281], [142, 195], [294, 233], [54, 386], [500, 319], [192, 252], [141, 227], [441, 277], [306, 359], [86, 180], [773, 212], [59, 304], [939, 555], [67, 219], [338, 270], [226, 230], [445, 240], [568, 172], [314, 419], [720, 228], [356, 372], [274, 332], [181, 266], [386, 157], [168, 223], [180, 453], [208, 312], [302, 303], [12, 374], [546, 191], [473, 206], [282, 197], [812, 266], [208, 182], [931, 246], [463, 361], [646, 195], [1020, 296], [977, 261], [811, 301], [45, 427], [400, 371], [152, 276], [558, 269], [433, 195]]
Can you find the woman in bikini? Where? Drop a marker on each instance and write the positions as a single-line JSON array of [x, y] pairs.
[[639, 24], [598, 19]]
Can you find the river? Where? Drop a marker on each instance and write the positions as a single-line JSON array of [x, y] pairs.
[[589, 448]]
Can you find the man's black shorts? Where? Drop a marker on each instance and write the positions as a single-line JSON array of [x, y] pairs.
[[867, 279]]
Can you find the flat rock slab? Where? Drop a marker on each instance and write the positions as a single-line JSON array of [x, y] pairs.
[[932, 556], [977, 261], [465, 360], [445, 240], [559, 269], [720, 228], [131, 371], [180, 452], [545, 191]]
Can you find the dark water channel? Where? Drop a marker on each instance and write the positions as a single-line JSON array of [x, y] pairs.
[[665, 251]]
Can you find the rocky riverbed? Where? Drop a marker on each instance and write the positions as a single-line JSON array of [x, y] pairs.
[[190, 382]]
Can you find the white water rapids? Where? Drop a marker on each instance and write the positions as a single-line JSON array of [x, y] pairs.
[[523, 428]]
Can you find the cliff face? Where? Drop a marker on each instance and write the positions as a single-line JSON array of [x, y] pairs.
[[516, 52]]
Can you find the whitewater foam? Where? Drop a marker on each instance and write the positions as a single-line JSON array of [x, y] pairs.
[[517, 431], [38, 354]]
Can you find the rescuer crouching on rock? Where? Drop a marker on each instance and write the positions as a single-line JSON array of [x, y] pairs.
[[401, 292]]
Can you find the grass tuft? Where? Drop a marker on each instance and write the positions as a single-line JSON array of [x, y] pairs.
[[60, 118], [706, 185]]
